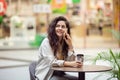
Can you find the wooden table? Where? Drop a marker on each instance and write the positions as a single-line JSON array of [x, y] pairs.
[[85, 68]]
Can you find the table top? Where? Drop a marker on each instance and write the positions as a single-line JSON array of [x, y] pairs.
[[84, 68]]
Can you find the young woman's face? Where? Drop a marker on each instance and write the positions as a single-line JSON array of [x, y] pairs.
[[60, 28]]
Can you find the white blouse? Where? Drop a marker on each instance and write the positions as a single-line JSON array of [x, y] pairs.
[[46, 60]]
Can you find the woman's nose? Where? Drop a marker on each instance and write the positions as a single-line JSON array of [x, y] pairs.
[[60, 27]]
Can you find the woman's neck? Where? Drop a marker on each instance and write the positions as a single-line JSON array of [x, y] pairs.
[[60, 38]]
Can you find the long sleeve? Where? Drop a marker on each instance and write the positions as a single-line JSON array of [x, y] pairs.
[[45, 59], [71, 57]]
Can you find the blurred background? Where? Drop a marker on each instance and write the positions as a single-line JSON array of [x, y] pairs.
[[95, 24], [92, 21]]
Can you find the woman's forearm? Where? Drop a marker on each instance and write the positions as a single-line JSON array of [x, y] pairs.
[[72, 64], [67, 63]]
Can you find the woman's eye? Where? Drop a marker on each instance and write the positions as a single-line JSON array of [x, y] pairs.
[[57, 26], [63, 26]]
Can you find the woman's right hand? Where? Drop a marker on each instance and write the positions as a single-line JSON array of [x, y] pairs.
[[73, 64]]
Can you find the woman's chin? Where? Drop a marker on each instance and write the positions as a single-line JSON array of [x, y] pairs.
[[60, 35]]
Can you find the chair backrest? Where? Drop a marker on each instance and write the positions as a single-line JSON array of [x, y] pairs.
[[32, 67]]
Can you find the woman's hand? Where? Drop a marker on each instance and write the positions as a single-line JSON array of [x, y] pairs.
[[73, 64], [68, 40]]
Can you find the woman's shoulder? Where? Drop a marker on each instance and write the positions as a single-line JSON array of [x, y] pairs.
[[45, 42]]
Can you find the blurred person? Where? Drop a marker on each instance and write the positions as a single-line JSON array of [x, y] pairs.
[[100, 17], [108, 10], [56, 50], [108, 15]]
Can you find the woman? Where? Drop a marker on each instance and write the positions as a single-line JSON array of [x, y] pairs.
[[56, 50]]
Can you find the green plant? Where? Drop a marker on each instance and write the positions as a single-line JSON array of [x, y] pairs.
[[37, 41], [116, 35], [114, 59]]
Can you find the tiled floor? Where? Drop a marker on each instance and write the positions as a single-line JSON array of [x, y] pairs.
[[15, 73], [14, 64]]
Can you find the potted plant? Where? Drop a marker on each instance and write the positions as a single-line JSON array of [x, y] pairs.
[[114, 59]]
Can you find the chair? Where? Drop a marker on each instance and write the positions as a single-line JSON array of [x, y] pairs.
[[32, 67]]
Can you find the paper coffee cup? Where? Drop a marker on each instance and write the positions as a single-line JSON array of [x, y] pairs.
[[80, 58]]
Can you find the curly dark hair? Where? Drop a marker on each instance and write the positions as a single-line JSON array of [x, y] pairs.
[[53, 38]]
